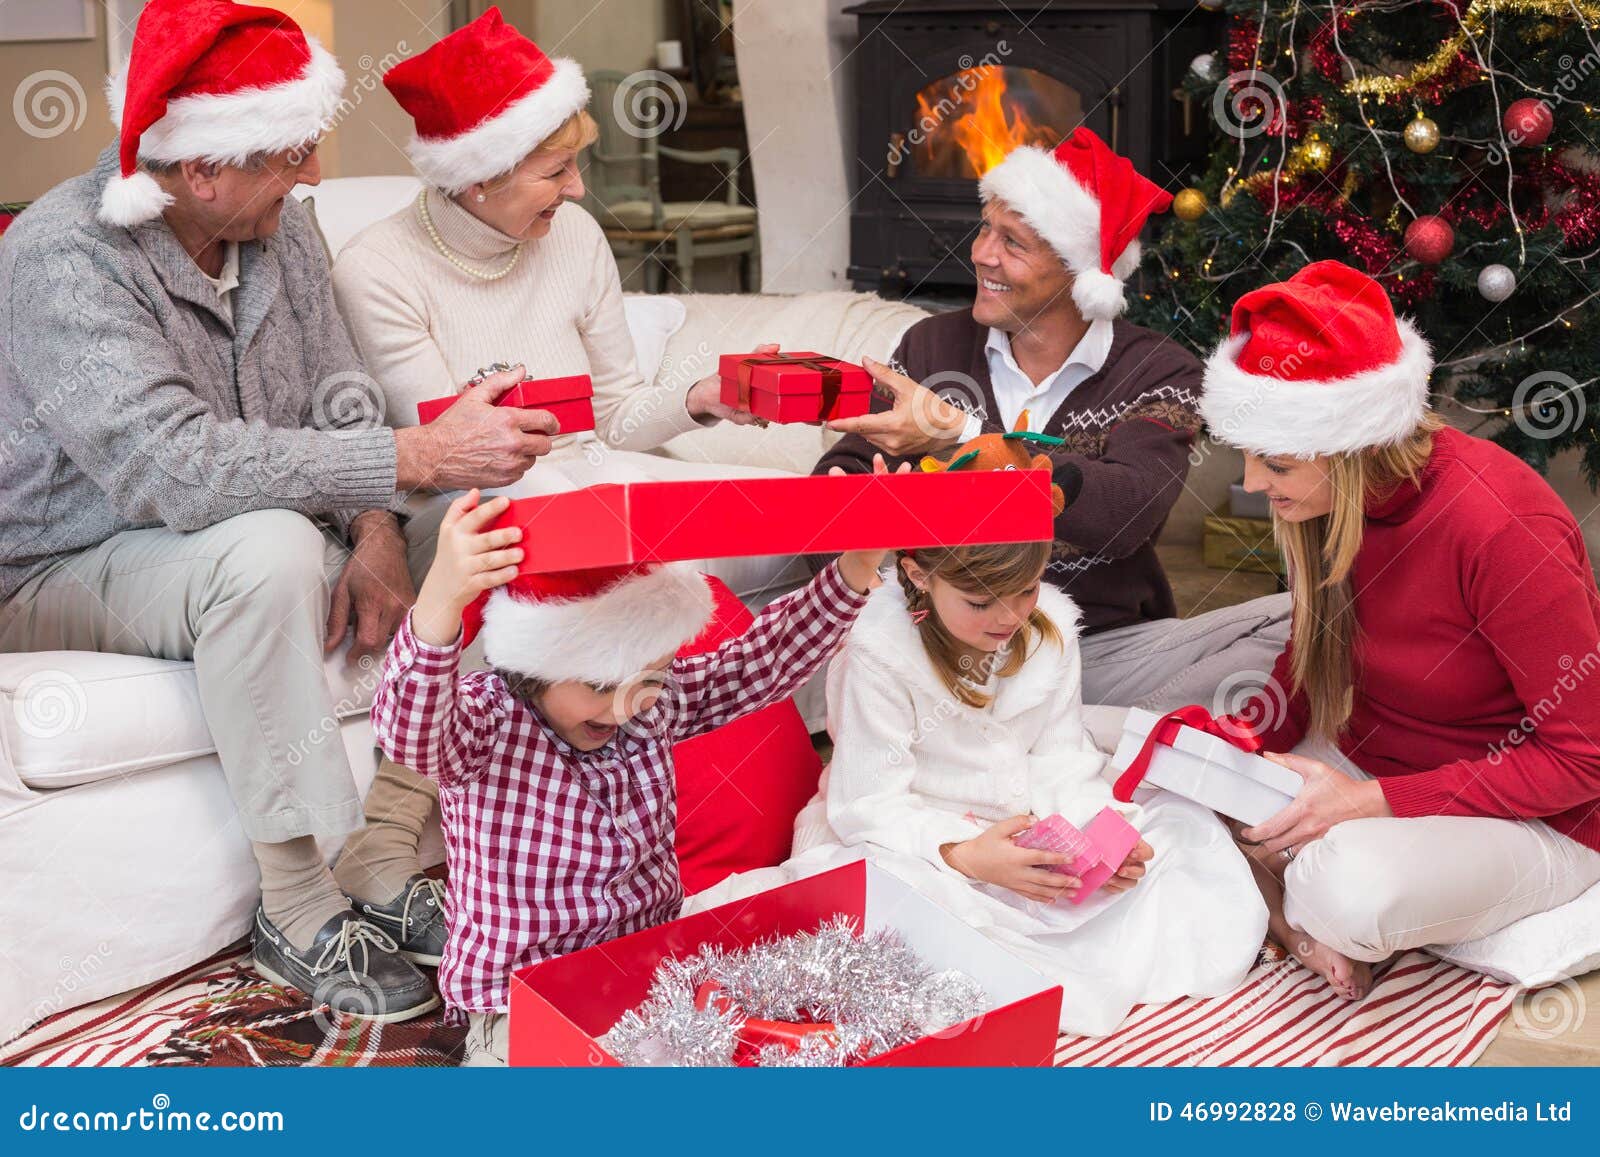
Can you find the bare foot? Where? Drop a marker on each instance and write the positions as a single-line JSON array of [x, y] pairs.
[[1351, 979]]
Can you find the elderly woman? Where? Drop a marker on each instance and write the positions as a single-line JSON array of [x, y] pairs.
[[1442, 596], [492, 265]]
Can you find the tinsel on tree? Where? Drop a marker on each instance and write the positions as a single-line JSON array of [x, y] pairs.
[[1449, 149]]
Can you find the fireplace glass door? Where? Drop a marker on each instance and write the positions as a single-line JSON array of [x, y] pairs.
[[967, 122]]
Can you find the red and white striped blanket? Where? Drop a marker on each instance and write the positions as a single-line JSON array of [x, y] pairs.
[[1422, 1011]]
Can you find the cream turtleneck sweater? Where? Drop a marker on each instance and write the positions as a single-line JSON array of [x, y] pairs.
[[424, 327]]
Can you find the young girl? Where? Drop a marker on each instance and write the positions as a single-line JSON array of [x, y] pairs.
[[955, 712], [554, 768]]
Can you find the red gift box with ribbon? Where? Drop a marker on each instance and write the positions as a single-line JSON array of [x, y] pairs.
[[794, 387], [1212, 761], [570, 399], [561, 1007]]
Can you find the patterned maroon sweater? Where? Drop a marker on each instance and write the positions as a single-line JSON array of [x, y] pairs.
[[1128, 429]]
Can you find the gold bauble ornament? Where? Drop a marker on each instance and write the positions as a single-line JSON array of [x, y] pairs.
[[1317, 154], [1189, 205], [1422, 135]]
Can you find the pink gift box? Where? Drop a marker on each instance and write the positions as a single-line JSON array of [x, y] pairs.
[[1097, 851]]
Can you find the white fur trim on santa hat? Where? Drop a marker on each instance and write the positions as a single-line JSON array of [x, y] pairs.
[[229, 128], [604, 640], [497, 145], [129, 201], [1033, 183], [1271, 416]]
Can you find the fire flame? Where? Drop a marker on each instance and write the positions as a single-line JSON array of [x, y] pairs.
[[978, 123]]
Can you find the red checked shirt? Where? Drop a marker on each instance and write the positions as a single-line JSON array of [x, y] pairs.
[[552, 849]]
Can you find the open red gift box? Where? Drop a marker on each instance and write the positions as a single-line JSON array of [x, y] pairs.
[[795, 386], [620, 523], [561, 1007], [571, 400]]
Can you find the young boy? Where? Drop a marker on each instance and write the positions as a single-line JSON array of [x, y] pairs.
[[554, 768]]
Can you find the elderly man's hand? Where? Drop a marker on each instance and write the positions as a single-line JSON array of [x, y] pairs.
[[374, 592], [475, 442], [921, 422]]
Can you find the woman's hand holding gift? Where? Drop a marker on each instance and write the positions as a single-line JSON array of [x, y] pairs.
[[1329, 797], [469, 561], [992, 858], [705, 397]]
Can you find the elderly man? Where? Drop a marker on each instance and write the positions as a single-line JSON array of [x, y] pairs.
[[201, 454], [1058, 238]]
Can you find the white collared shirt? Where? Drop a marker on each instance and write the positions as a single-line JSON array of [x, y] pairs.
[[227, 280], [1014, 391]]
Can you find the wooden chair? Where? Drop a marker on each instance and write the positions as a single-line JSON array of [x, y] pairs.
[[624, 181]]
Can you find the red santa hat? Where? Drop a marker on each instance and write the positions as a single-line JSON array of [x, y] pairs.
[[1089, 204], [482, 99], [209, 80], [602, 626], [1318, 364]]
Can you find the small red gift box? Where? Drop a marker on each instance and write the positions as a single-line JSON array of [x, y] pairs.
[[616, 524], [562, 1006], [571, 400], [794, 387]]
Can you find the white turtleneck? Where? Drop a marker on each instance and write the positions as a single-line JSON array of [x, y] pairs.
[[424, 327]]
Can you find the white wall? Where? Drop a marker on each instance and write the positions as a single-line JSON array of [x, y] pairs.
[[796, 113]]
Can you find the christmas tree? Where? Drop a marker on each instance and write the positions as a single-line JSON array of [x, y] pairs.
[[1449, 149]]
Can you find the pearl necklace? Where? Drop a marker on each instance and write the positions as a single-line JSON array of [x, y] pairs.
[[444, 250]]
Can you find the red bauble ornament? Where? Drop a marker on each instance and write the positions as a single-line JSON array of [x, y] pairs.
[[1430, 239], [1528, 121]]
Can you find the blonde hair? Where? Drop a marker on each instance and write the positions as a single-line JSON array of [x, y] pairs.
[[1320, 552], [578, 131], [991, 571]]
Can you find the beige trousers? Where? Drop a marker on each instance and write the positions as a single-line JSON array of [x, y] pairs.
[[488, 1040], [1374, 887], [246, 600], [1216, 659]]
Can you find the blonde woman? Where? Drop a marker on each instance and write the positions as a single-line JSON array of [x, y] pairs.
[[491, 265], [1445, 615]]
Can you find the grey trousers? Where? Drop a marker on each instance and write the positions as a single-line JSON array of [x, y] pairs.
[[1216, 659], [247, 601]]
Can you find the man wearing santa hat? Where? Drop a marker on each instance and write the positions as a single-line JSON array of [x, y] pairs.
[[1057, 241], [205, 456]]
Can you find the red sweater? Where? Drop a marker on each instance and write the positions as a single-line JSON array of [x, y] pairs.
[[1477, 662]]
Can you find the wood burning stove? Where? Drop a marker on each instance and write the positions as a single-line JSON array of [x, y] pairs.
[[945, 88]]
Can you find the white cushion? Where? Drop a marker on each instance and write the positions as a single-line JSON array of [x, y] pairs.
[[74, 717], [652, 320], [347, 205], [1539, 949]]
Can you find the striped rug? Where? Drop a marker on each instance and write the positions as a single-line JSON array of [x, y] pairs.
[[1422, 1011]]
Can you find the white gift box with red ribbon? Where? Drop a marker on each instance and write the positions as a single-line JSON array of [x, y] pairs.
[[1206, 768]]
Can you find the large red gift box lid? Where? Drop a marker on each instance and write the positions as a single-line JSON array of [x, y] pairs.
[[562, 1006], [570, 399], [620, 523]]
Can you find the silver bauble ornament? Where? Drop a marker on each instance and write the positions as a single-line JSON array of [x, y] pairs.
[[1496, 283]]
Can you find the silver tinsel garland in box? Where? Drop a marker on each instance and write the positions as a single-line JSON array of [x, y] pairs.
[[872, 988]]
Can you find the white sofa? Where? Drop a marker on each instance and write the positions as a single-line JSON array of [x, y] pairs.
[[121, 859]]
